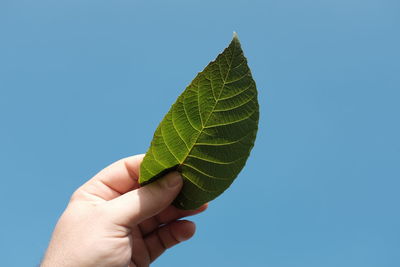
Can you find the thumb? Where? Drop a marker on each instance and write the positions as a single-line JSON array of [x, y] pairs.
[[136, 206]]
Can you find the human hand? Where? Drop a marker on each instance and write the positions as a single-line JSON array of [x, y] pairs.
[[110, 221]]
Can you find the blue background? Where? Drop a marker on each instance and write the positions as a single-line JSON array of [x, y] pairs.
[[84, 83]]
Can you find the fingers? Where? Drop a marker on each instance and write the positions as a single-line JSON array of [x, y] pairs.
[[115, 180], [138, 205], [168, 236], [168, 215]]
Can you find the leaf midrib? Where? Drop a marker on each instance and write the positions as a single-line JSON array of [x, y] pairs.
[[203, 126]]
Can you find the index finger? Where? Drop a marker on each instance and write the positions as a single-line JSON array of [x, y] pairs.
[[116, 179]]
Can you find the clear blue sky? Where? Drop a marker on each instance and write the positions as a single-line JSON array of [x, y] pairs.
[[84, 83]]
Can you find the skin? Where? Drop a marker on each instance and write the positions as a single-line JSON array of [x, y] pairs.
[[111, 221]]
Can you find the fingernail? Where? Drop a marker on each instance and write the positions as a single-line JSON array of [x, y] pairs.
[[174, 179]]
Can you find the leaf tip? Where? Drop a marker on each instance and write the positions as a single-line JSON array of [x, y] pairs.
[[235, 36]]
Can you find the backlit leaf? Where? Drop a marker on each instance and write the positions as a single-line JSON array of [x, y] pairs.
[[209, 131]]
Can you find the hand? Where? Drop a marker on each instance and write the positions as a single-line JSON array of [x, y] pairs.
[[110, 221]]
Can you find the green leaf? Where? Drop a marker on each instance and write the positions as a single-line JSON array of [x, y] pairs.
[[209, 131]]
